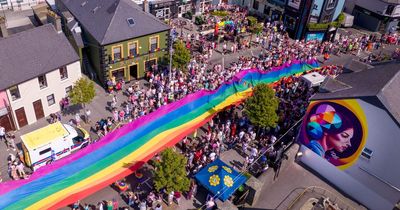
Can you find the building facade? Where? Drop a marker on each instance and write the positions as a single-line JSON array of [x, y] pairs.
[[297, 14], [18, 5], [309, 19], [350, 132], [165, 10], [49, 89], [121, 41], [375, 15], [272, 10], [32, 87]]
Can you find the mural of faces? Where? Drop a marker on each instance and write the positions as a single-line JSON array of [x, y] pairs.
[[332, 131]]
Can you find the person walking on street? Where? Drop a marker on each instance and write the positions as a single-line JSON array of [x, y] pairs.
[[100, 205], [77, 119], [170, 198], [76, 205], [3, 135], [11, 141], [87, 117], [109, 205], [158, 207]]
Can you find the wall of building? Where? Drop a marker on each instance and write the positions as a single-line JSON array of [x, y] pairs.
[[3, 99], [374, 129], [92, 50], [17, 5], [144, 54], [376, 6], [339, 8], [30, 92]]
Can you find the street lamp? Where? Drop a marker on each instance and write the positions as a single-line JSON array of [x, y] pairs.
[[171, 40]]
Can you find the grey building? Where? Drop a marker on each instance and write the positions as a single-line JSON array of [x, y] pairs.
[[375, 15], [367, 168]]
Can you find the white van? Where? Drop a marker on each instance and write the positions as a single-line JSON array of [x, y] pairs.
[[50, 143]]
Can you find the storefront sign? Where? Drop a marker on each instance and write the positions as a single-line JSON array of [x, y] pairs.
[[294, 3], [315, 36]]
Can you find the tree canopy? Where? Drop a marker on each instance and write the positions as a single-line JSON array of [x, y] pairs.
[[170, 173], [82, 92], [261, 107], [180, 56], [257, 28]]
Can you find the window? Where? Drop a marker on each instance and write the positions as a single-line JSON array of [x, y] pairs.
[[133, 49], [68, 90], [51, 100], [42, 81], [153, 44], [63, 73], [117, 52], [331, 4], [327, 19], [131, 22], [14, 92], [45, 151], [389, 10], [255, 5], [267, 10]]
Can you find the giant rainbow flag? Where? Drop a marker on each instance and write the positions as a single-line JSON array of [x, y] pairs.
[[126, 149]]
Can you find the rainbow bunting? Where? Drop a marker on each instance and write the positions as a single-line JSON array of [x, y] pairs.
[[126, 149]]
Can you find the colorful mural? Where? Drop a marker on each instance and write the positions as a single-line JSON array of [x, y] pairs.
[[335, 130]]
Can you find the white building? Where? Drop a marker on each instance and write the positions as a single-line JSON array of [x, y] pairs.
[[17, 5], [38, 68]]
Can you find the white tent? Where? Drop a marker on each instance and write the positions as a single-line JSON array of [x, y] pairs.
[[313, 79]]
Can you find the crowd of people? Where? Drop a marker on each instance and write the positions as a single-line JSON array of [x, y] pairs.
[[15, 162]]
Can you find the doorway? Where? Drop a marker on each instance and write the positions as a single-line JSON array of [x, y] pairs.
[[119, 74], [6, 120], [21, 117], [133, 72], [38, 108], [150, 65]]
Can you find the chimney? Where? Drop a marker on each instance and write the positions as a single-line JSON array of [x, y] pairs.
[[146, 6], [54, 19], [3, 28]]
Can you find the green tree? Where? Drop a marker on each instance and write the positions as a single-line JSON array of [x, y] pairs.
[[261, 107], [170, 172], [257, 28], [252, 20], [180, 56], [82, 92]]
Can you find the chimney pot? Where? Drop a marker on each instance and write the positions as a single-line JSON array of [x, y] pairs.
[[146, 6], [54, 19]]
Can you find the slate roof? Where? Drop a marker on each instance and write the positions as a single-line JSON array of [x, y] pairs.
[[390, 96], [382, 82], [77, 36], [331, 85], [106, 20], [28, 54], [356, 66]]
